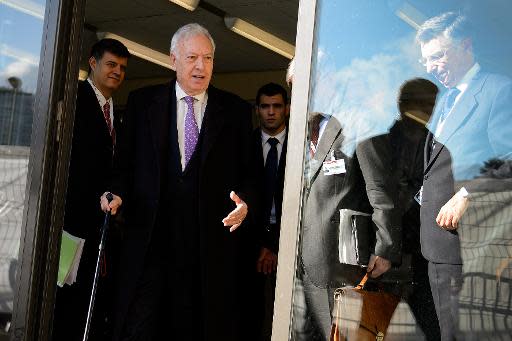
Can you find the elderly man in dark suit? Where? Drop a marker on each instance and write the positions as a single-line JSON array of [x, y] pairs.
[[181, 172], [350, 194], [470, 125], [89, 173]]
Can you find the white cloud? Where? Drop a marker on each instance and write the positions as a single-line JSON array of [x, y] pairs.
[[362, 95], [24, 71]]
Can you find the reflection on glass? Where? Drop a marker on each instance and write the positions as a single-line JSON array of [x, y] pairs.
[[21, 24], [411, 186]]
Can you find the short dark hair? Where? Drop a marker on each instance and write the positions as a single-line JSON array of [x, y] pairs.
[[271, 89], [417, 94], [109, 45], [450, 24]]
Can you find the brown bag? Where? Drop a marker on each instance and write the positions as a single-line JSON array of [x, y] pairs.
[[361, 315]]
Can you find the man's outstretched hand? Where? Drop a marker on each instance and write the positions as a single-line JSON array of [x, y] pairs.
[[237, 216]]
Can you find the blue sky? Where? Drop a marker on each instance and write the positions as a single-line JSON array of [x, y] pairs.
[[20, 41], [365, 51]]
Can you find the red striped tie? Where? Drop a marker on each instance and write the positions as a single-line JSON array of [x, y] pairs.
[[106, 114]]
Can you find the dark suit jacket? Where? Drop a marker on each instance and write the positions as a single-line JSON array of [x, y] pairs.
[[90, 165], [367, 187], [478, 129], [89, 174], [408, 142], [141, 158], [269, 239]]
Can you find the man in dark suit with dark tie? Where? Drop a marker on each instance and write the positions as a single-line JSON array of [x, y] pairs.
[[470, 125], [89, 172], [182, 175], [269, 153], [350, 194]]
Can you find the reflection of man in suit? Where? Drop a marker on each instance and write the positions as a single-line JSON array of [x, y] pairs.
[[471, 125], [185, 147], [89, 172], [416, 102], [269, 151], [344, 191]]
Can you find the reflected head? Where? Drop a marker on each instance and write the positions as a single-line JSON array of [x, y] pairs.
[[446, 47], [451, 25], [417, 94]]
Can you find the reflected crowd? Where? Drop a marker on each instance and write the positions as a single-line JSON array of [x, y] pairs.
[[423, 209]]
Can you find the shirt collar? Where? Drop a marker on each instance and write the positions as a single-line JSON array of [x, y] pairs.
[[101, 99], [180, 94], [281, 136], [464, 82]]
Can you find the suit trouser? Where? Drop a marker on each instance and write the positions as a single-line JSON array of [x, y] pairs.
[[420, 300], [445, 283], [312, 306]]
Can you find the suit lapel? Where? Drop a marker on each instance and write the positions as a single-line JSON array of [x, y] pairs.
[[258, 147], [99, 117], [213, 121], [462, 111], [331, 132]]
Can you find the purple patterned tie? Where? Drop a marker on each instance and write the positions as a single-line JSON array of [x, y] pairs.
[[191, 129]]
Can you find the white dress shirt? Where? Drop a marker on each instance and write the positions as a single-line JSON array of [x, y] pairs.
[[200, 102], [102, 100], [266, 147]]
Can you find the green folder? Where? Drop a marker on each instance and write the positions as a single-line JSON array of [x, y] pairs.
[[70, 253]]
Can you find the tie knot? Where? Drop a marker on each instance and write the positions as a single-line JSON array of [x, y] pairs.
[[189, 100], [272, 141], [106, 107]]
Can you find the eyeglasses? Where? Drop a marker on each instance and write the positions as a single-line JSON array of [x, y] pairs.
[[433, 59]]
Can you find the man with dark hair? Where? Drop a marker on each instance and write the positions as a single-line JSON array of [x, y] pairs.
[[269, 152], [183, 177], [90, 170], [470, 125], [416, 101]]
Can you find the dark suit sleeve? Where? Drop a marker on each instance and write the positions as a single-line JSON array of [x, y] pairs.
[[247, 190], [375, 160], [123, 168]]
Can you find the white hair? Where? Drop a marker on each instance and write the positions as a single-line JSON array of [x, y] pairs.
[[187, 31], [290, 72]]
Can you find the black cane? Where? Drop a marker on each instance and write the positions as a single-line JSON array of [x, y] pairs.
[[101, 249]]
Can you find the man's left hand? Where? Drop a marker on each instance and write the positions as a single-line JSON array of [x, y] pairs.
[[267, 262], [450, 214], [378, 266], [237, 216]]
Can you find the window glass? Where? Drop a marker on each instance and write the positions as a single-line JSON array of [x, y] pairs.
[[407, 173], [21, 27]]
